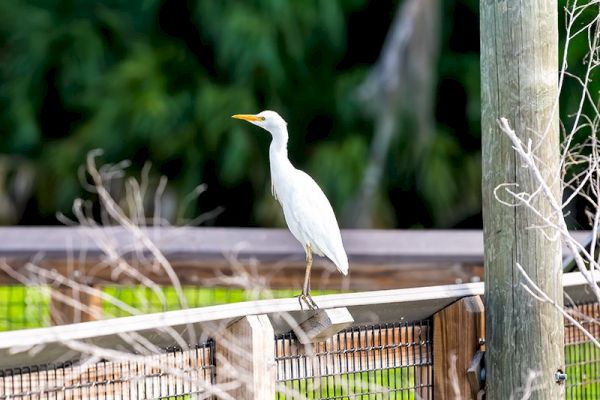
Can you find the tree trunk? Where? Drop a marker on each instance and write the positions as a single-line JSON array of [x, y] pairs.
[[519, 81]]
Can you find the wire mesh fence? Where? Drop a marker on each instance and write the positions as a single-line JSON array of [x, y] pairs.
[[387, 361], [175, 374], [380, 361], [582, 357], [23, 307]]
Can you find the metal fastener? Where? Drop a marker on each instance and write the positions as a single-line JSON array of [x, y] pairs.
[[560, 377]]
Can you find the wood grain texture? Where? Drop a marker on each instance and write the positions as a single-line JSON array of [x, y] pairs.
[[365, 307], [519, 81], [69, 306], [200, 256], [456, 333], [275, 274], [372, 245], [324, 324], [204, 256], [245, 354]]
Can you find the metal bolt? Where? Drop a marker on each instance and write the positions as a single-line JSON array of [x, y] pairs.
[[560, 377], [481, 341]]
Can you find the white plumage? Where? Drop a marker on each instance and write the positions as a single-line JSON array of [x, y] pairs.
[[307, 211]]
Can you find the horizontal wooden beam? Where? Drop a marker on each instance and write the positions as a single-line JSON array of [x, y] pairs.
[[373, 246], [52, 344], [363, 245], [274, 275], [385, 259], [204, 256]]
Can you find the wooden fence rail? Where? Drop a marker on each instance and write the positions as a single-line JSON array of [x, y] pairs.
[[244, 344], [206, 257], [381, 259]]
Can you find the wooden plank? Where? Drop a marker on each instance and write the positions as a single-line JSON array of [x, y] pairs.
[[362, 245], [323, 324], [457, 330], [280, 274], [69, 306], [51, 344], [200, 256], [263, 244], [366, 307], [245, 351]]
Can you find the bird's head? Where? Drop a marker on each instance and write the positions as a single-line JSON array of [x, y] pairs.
[[269, 120]]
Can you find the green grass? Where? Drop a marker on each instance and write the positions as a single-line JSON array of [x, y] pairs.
[[148, 301], [395, 383], [23, 307], [583, 371], [29, 307]]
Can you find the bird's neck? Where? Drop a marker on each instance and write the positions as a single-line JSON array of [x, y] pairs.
[[280, 140], [278, 154], [278, 157]]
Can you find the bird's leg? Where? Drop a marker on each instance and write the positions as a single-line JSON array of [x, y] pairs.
[[305, 296]]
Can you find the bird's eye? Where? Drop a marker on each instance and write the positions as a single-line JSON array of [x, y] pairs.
[[261, 118]]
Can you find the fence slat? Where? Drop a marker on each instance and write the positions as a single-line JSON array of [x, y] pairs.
[[245, 352], [69, 306], [456, 333]]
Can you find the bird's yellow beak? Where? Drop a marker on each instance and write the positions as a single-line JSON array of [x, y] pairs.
[[248, 117]]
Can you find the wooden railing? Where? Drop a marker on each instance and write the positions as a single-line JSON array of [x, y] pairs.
[[378, 259], [205, 257], [455, 313]]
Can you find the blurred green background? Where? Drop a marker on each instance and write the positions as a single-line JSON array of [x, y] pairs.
[[157, 80]]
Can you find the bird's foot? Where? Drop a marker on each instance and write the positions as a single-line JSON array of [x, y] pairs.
[[308, 300]]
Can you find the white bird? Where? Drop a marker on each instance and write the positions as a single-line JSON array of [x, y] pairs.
[[307, 211]]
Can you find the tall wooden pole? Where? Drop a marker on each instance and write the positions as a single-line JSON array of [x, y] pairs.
[[519, 81]]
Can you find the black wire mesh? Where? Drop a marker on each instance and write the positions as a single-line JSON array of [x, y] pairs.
[[582, 357], [386, 361], [176, 374]]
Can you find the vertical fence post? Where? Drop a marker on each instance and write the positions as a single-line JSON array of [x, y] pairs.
[[69, 306], [245, 355], [457, 330], [519, 82]]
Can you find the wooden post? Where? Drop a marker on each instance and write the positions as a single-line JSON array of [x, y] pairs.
[[245, 354], [519, 81], [69, 306], [457, 330]]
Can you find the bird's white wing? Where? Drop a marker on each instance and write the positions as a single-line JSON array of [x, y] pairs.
[[309, 213]]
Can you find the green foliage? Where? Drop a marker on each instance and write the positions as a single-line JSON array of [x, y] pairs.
[[392, 383], [157, 80]]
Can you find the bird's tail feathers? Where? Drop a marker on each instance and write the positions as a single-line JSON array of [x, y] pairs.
[[342, 264]]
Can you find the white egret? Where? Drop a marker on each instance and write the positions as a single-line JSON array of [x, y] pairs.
[[307, 211]]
